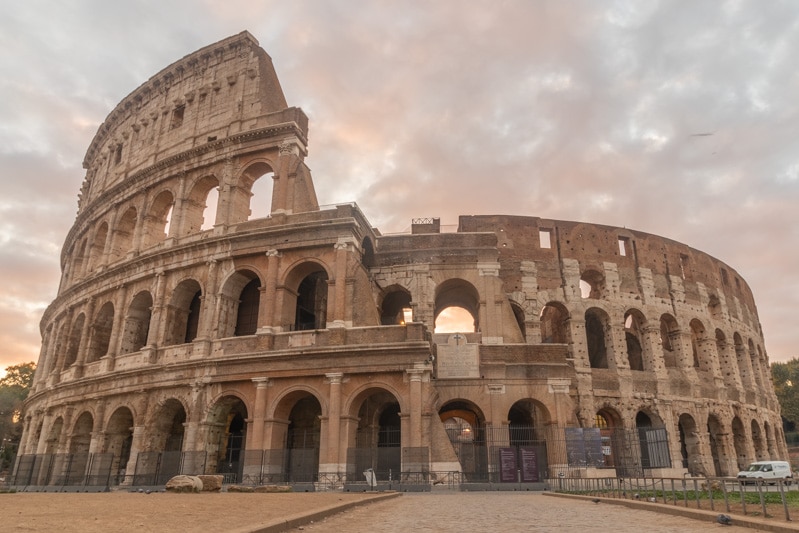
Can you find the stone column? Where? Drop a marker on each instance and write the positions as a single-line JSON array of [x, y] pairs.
[[490, 319], [85, 340], [333, 444], [266, 309], [208, 308], [259, 410], [415, 376], [340, 285], [118, 333], [136, 446], [158, 318]]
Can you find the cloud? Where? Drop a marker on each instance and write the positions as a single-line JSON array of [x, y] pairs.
[[570, 110]]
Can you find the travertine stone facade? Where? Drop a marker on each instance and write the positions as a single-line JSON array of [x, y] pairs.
[[300, 345]]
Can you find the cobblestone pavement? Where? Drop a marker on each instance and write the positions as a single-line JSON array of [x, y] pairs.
[[442, 512]]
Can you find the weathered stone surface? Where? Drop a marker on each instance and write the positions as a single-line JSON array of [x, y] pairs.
[[183, 483], [273, 488], [211, 483]]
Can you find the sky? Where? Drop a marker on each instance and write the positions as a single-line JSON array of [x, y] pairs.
[[678, 118]]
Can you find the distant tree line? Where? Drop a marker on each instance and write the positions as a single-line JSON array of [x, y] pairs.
[[14, 388]]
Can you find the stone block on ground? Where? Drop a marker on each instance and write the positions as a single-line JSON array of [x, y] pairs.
[[211, 483], [184, 483]]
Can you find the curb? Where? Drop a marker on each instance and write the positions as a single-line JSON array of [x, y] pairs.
[[697, 514], [300, 519]]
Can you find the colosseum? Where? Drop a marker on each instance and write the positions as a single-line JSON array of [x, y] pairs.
[[212, 317]]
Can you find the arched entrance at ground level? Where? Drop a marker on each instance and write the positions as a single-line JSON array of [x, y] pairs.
[[757, 440], [465, 426], [527, 420], [226, 437], [118, 439], [689, 446], [378, 437], [161, 458], [79, 442], [607, 420], [295, 442]]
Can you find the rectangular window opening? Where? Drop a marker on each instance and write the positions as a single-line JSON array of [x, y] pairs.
[[545, 238], [177, 116], [118, 155], [624, 244]]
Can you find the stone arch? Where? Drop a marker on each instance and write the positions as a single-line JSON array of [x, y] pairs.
[[240, 301], [253, 196], [527, 418], [608, 420], [54, 436], [598, 339], [118, 440], [670, 340], [124, 229], [592, 284], [771, 440], [183, 313], [227, 435], [79, 444], [73, 342], [97, 248], [744, 364], [518, 314], [378, 434], [157, 219], [306, 294], [79, 261], [194, 206], [465, 425], [739, 441], [166, 427], [690, 448], [554, 323], [137, 323], [395, 306], [101, 330], [456, 292], [298, 431], [701, 356], [634, 324]]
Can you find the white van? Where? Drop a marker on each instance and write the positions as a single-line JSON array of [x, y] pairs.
[[766, 470]]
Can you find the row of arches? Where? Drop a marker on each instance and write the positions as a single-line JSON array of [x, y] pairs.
[[176, 210]]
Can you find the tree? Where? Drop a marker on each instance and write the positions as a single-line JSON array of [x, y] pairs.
[[14, 388], [785, 377]]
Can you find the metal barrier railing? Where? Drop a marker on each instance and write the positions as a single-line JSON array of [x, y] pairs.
[[714, 493]]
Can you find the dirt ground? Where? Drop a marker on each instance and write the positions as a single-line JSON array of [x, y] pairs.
[[123, 511]]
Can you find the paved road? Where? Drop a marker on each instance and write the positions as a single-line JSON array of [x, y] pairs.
[[506, 512]]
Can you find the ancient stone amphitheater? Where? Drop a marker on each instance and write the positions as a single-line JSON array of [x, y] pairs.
[[213, 318]]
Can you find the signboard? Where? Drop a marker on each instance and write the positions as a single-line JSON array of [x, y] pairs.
[[529, 464], [507, 465], [457, 359]]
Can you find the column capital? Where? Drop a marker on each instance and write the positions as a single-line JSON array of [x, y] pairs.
[[272, 253], [335, 378], [261, 382]]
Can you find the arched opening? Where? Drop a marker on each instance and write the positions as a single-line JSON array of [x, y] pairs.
[[157, 220], [465, 426], [608, 420], [592, 284], [714, 307], [771, 443], [118, 440], [239, 305], [378, 437], [739, 441], [137, 323], [79, 261], [744, 364], [395, 307], [311, 310], [303, 440], [123, 234], [73, 342], [526, 422], [261, 195], [54, 436], [458, 298], [690, 451], [79, 443], [210, 210], [698, 350], [518, 314], [554, 324], [161, 459], [100, 334], [634, 322], [199, 207], [596, 331], [98, 247], [183, 313], [669, 340], [227, 437], [249, 303]]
